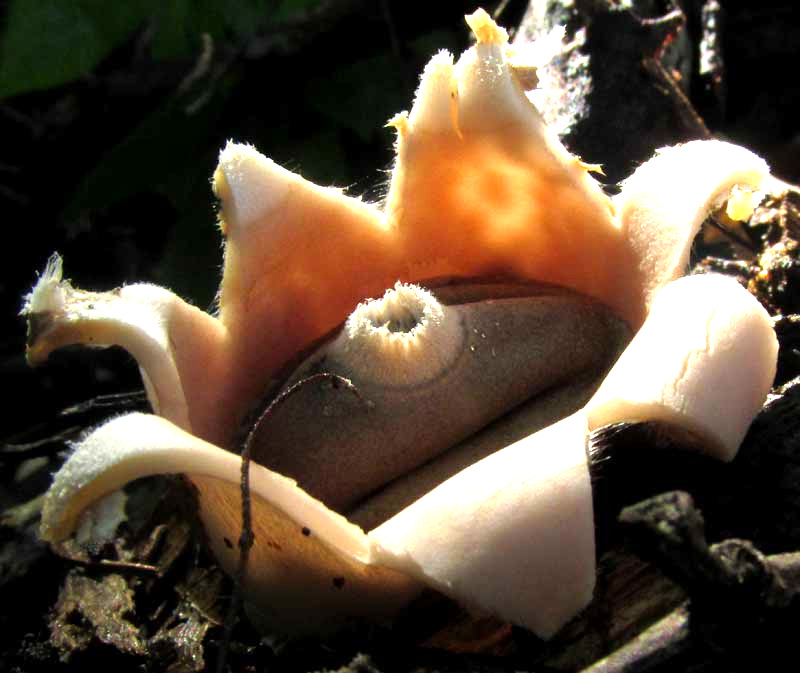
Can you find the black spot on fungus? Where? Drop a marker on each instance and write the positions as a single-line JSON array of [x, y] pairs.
[[306, 531], [228, 543], [338, 582]]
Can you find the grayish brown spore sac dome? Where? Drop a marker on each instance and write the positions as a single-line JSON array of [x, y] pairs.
[[413, 397]]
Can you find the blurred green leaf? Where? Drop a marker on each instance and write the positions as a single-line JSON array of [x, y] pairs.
[[50, 42], [427, 44], [289, 7], [47, 43], [321, 158], [149, 159], [361, 96], [364, 95], [192, 261], [179, 23]]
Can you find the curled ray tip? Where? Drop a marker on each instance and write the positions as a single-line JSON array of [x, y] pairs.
[[485, 28], [441, 61], [399, 122], [435, 101], [248, 184], [47, 294], [590, 168], [742, 202]]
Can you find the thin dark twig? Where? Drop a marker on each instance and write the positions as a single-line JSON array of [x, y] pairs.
[[732, 235], [245, 543], [39, 447], [134, 398], [246, 538], [49, 440], [658, 644], [391, 29], [128, 565], [498, 11]]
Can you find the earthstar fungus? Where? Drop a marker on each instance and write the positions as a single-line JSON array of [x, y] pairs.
[[513, 283]]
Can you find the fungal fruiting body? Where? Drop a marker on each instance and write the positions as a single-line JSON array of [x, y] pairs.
[[504, 280]]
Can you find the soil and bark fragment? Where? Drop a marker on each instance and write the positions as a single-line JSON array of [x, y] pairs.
[[88, 609], [742, 605]]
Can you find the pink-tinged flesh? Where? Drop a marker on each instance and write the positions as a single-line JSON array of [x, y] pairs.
[[290, 573], [664, 203], [164, 334], [513, 534], [311, 568], [704, 360]]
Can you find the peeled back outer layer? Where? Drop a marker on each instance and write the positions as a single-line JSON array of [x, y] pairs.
[[481, 189], [492, 536], [710, 376], [515, 530]]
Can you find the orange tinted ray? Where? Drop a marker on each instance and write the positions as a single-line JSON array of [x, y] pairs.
[[484, 206], [489, 206], [296, 274]]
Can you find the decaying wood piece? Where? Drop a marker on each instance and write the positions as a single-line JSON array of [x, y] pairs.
[[743, 605]]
